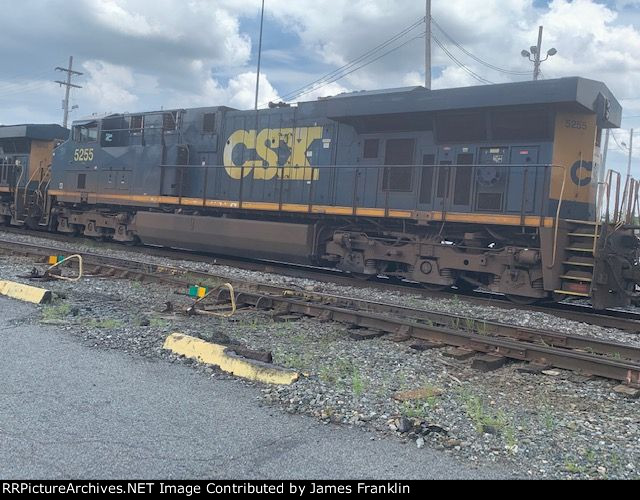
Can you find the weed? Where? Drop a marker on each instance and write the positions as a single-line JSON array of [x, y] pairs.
[[414, 409], [357, 382], [299, 339], [328, 376], [295, 361], [56, 313], [573, 468], [483, 329], [615, 460], [105, 324], [549, 420], [510, 439], [483, 420], [159, 323]]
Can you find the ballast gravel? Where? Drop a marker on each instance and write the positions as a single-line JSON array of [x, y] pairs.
[[554, 425]]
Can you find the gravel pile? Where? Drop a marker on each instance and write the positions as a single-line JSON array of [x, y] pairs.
[[558, 425]]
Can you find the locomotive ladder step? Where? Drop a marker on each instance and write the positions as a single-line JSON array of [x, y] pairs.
[[572, 294], [584, 250], [577, 278], [583, 235], [579, 264], [583, 222]]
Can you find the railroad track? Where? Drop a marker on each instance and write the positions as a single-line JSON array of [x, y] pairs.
[[617, 319], [611, 360]]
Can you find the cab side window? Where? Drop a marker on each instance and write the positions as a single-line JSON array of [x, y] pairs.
[[170, 121], [86, 133], [136, 124]]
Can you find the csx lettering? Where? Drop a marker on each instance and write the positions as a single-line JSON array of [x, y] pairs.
[[581, 173], [266, 144], [83, 155]]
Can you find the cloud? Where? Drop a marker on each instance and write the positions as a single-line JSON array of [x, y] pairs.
[[238, 93], [113, 86]]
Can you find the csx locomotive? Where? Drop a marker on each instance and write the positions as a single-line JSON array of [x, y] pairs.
[[492, 186]]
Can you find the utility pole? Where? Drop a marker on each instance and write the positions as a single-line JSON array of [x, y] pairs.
[[259, 56], [536, 64], [70, 73], [536, 51], [427, 62]]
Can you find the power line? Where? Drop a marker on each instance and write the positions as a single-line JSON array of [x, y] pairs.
[[7, 84], [623, 148], [335, 74], [375, 54], [473, 56], [24, 89], [460, 63], [615, 139], [353, 70]]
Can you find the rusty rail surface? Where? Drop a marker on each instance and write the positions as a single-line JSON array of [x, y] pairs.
[[606, 359]]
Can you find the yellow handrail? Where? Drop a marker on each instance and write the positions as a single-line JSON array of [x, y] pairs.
[[557, 222], [599, 199]]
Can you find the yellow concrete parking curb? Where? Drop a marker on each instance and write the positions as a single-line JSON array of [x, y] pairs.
[[227, 361], [25, 293]]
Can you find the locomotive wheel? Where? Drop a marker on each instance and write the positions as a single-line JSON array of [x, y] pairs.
[[523, 301]]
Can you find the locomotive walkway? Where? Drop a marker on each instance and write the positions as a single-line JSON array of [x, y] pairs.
[[70, 411]]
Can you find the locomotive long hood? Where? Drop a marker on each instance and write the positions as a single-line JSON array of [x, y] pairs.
[[572, 94]]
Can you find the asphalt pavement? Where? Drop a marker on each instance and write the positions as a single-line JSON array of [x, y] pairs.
[[69, 411]]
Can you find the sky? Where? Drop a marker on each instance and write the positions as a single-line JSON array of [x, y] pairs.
[[141, 55]]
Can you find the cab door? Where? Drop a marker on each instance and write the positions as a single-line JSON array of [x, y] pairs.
[[399, 175], [428, 176], [521, 194], [444, 169], [462, 180]]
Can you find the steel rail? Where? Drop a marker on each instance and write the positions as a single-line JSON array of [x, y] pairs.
[[592, 364]]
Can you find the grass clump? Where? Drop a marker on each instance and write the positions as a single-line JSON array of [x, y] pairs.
[[56, 313]]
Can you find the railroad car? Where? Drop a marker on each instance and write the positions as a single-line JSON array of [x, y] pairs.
[[493, 186], [26, 152]]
